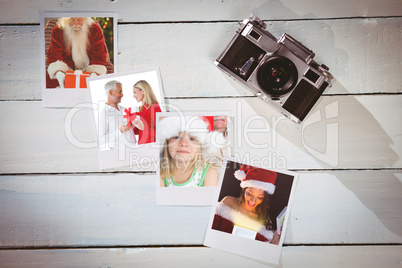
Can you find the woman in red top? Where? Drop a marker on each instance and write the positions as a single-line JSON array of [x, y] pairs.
[[144, 126]]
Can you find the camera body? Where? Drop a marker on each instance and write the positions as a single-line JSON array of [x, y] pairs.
[[281, 70]]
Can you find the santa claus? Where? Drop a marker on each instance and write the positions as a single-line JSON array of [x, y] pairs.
[[76, 44]]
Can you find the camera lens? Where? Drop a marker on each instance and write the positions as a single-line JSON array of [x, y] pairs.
[[277, 76]]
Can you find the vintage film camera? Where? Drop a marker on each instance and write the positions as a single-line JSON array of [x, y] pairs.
[[281, 70]]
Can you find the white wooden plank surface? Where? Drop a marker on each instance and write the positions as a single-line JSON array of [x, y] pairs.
[[34, 139], [361, 54], [311, 257], [354, 198], [335, 207], [354, 132], [203, 10]]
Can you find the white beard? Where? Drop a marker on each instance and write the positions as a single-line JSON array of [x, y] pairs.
[[77, 40]]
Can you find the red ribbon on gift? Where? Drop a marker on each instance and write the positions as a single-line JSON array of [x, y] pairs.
[[129, 116]]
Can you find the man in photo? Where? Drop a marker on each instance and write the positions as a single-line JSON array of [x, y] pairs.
[[112, 130], [76, 43]]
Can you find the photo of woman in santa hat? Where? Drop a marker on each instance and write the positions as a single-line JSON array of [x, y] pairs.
[[252, 208], [185, 144]]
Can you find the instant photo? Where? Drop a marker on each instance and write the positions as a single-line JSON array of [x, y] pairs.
[[192, 147], [251, 210], [125, 107], [75, 46]]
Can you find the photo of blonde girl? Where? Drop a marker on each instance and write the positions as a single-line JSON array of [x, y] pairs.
[[183, 163]]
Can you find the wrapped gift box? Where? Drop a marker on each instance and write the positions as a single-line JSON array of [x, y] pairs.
[[77, 79], [129, 116]]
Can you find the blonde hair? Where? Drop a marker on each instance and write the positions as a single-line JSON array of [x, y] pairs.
[[149, 96], [167, 166]]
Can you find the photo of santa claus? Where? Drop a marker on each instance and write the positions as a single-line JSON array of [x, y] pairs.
[[76, 48]]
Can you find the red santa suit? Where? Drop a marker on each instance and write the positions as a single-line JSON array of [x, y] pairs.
[[148, 117], [226, 218], [59, 59]]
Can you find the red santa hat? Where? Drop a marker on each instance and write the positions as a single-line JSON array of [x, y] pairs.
[[197, 126], [194, 125], [257, 178]]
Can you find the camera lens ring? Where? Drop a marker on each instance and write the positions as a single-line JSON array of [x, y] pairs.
[[277, 76]]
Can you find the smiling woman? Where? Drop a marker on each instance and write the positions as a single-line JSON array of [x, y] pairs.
[[251, 209], [144, 126]]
